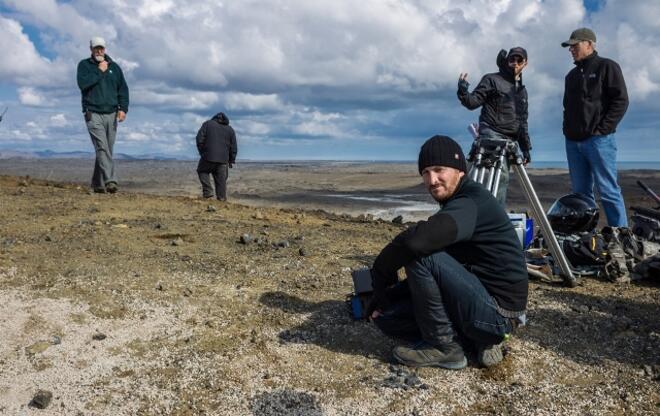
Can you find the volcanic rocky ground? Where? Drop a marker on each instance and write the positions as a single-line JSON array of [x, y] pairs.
[[171, 305]]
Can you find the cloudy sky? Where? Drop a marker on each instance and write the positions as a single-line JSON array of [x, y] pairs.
[[299, 79]]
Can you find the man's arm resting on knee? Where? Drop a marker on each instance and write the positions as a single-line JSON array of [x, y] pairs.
[[455, 223]]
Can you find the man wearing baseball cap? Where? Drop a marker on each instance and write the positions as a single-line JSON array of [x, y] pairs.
[[503, 101], [466, 273], [104, 103], [595, 101]]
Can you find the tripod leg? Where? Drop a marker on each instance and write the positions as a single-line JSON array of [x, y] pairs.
[[474, 172], [498, 173], [491, 178], [482, 174], [539, 214]]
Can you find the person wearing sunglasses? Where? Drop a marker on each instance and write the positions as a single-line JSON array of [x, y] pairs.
[[503, 101]]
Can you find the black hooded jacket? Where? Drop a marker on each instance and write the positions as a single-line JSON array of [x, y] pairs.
[[216, 140], [595, 98], [503, 103]]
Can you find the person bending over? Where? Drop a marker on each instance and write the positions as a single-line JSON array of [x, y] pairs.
[[216, 144]]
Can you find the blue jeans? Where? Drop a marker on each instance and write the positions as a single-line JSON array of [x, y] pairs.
[[446, 300], [593, 162]]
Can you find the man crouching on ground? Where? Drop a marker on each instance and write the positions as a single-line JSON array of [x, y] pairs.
[[466, 280]]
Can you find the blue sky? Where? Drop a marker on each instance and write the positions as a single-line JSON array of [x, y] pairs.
[[367, 80]]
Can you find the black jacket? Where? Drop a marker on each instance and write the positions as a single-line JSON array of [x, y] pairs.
[[474, 229], [216, 140], [595, 98], [503, 103]]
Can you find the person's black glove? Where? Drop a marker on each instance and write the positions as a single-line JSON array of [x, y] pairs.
[[463, 86], [527, 157]]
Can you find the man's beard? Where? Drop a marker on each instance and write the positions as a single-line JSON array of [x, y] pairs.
[[99, 58]]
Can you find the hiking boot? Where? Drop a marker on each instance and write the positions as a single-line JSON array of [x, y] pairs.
[[618, 267], [99, 190], [111, 187], [489, 355], [449, 356], [630, 244]]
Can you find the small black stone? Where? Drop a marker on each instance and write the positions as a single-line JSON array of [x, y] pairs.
[[41, 400], [99, 336]]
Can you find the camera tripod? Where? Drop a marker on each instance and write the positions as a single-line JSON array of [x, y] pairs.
[[488, 157]]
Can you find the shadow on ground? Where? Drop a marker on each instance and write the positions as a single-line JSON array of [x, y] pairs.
[[596, 328], [329, 326]]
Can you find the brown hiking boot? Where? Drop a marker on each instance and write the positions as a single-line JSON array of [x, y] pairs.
[[449, 356]]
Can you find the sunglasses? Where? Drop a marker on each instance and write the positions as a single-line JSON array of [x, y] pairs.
[[516, 59]]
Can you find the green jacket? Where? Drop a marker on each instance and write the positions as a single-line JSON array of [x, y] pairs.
[[102, 92]]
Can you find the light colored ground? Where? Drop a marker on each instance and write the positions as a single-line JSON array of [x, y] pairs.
[[197, 323]]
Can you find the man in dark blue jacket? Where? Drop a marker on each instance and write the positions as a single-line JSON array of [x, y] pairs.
[[216, 143], [104, 103], [465, 269], [503, 101]]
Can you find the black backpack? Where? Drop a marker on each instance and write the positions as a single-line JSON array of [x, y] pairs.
[[585, 249]]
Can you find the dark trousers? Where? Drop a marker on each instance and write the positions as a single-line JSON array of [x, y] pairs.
[[220, 172], [446, 300]]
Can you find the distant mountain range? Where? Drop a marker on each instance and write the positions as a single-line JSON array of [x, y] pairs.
[[49, 154]]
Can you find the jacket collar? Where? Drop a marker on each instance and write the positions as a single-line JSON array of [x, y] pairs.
[[507, 73], [586, 61]]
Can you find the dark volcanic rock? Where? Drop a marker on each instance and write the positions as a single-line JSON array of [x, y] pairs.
[[41, 400], [99, 336]]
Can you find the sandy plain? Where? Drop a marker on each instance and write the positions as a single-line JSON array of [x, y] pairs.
[[146, 302]]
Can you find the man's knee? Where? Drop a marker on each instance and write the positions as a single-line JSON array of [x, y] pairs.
[[416, 266], [427, 267]]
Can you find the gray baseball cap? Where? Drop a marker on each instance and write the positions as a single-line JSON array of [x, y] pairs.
[[578, 35]]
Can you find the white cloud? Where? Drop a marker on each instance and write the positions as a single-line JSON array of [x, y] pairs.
[[66, 19], [252, 102], [162, 96], [59, 120], [21, 63], [31, 97], [295, 69]]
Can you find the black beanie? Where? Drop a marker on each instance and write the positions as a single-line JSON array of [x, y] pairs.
[[441, 151]]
